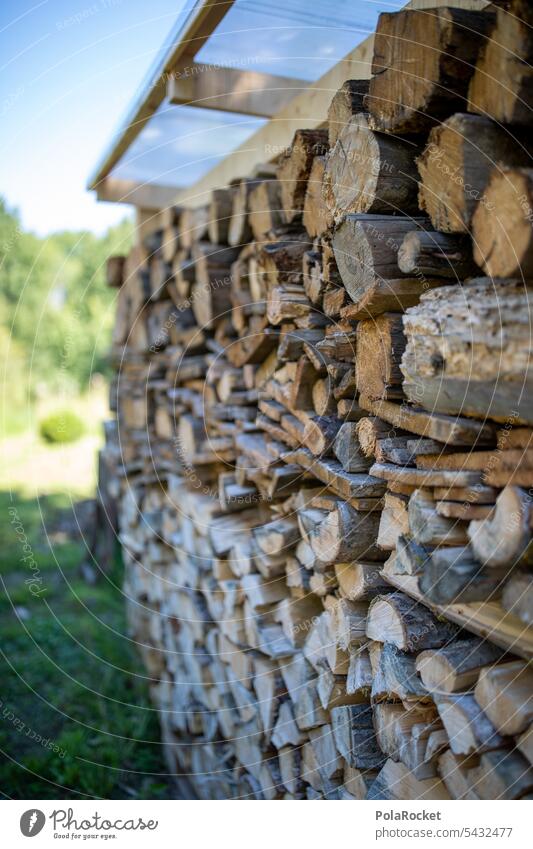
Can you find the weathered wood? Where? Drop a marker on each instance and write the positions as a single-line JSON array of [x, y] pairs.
[[347, 534], [264, 208], [455, 667], [456, 165], [314, 210], [455, 364], [429, 253], [380, 345], [320, 433], [347, 102], [354, 736], [422, 64], [505, 693], [501, 224], [348, 451], [294, 169], [452, 575], [469, 730], [504, 539], [502, 84], [366, 249]]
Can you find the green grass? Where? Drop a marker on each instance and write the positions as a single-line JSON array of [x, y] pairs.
[[68, 670]]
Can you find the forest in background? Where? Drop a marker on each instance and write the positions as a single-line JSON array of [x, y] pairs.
[[56, 312]]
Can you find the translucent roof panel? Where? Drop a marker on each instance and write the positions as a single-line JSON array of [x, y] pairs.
[[181, 143], [298, 38]]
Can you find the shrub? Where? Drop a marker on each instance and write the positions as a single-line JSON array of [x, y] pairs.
[[62, 426]]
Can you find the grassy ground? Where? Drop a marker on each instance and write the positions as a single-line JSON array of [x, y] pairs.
[[75, 718]]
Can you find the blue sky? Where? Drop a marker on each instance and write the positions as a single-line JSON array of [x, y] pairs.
[[69, 70]]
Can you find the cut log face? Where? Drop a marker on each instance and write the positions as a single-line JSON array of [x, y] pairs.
[[314, 212], [469, 730], [346, 535], [505, 693], [435, 254], [265, 208], [504, 539], [501, 225], [380, 345], [457, 666], [456, 165], [398, 619], [502, 84], [294, 170], [370, 172], [366, 249], [422, 65]]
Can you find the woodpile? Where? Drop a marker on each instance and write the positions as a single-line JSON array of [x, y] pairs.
[[323, 449]]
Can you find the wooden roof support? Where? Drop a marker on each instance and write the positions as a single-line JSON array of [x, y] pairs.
[[146, 195], [232, 89], [184, 44], [307, 110]]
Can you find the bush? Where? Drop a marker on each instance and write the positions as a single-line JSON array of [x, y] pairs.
[[63, 426]]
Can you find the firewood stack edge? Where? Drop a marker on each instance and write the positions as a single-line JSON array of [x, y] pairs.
[[322, 444]]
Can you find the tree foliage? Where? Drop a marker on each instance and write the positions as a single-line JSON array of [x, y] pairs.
[[56, 312]]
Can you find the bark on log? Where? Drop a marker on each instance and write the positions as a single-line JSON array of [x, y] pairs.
[[456, 164], [423, 61]]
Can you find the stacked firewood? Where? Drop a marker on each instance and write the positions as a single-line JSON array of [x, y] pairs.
[[323, 441]]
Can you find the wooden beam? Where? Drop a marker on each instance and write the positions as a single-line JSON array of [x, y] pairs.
[[233, 90], [147, 195], [183, 45], [307, 110]]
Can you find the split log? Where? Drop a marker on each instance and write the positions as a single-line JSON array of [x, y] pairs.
[[468, 728], [430, 529], [502, 775], [517, 596], [295, 167], [505, 693], [360, 581], [355, 737], [380, 345], [505, 538], [366, 249], [220, 211], [370, 172], [314, 210], [265, 208], [433, 254], [502, 84], [394, 521], [348, 451], [396, 781], [347, 102], [451, 575], [455, 168], [347, 534], [423, 61], [501, 224], [320, 433], [457, 666], [410, 626]]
